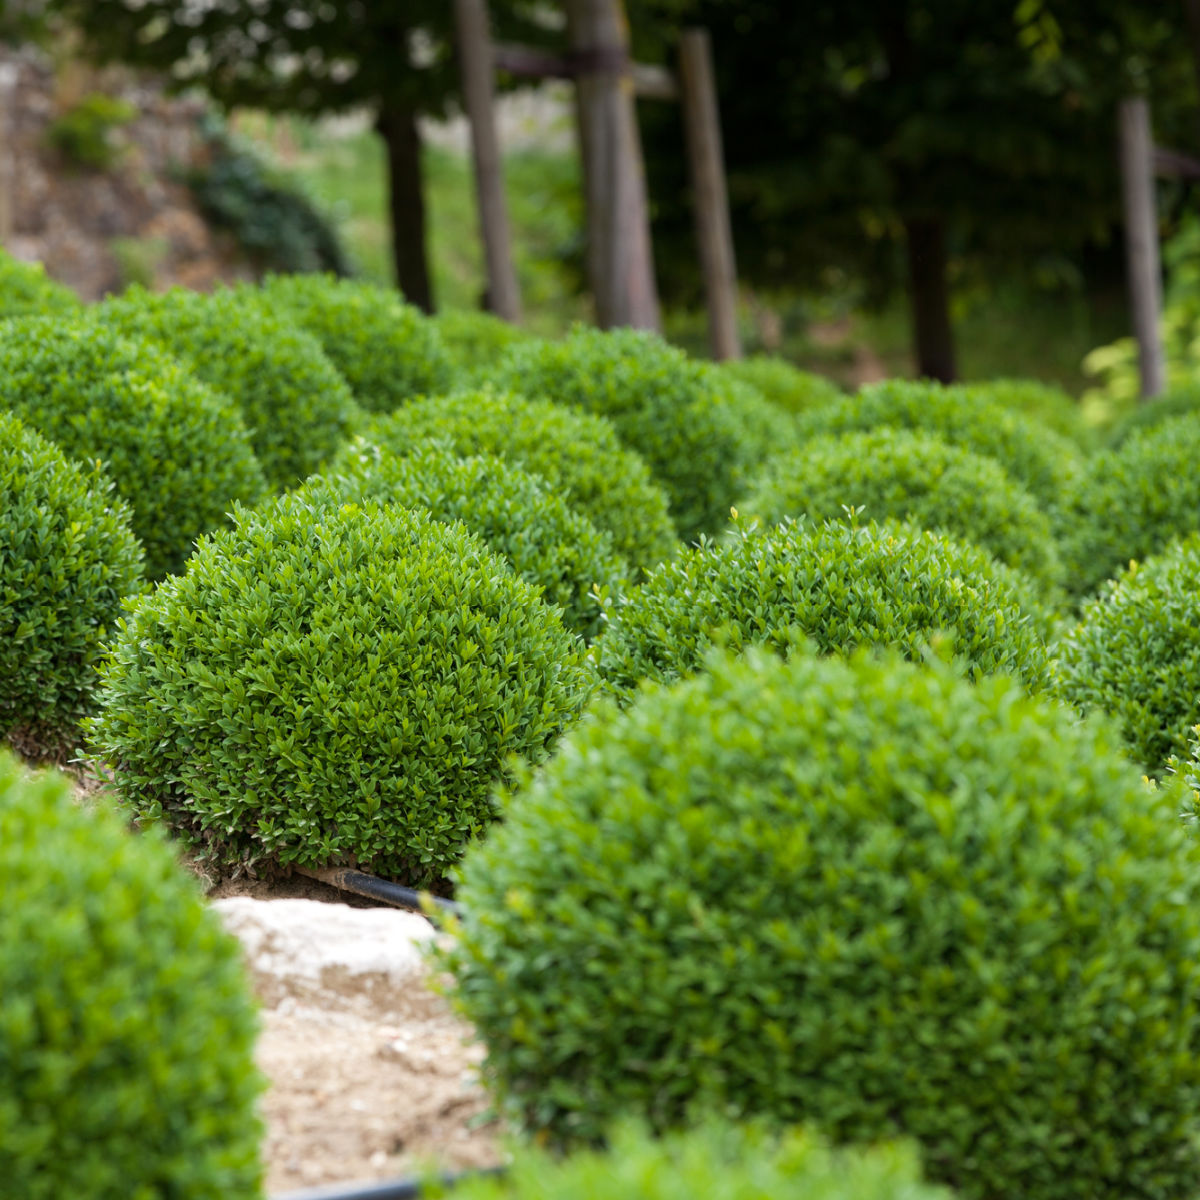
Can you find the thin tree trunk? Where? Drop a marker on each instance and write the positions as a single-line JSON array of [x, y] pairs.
[[406, 203], [929, 297]]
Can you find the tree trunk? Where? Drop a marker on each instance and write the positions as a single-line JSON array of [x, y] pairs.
[[397, 126], [929, 298]]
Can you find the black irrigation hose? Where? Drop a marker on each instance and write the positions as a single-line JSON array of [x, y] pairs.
[[396, 1189], [373, 888]]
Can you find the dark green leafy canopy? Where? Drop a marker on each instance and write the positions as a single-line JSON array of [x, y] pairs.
[[126, 1025], [866, 895], [335, 686], [838, 585]]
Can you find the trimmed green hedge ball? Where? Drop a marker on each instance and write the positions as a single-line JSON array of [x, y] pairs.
[[476, 341], [1180, 401], [783, 384], [1049, 405], [27, 291]]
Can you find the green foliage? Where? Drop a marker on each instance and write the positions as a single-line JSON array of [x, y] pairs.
[[26, 291], [274, 222], [387, 350], [765, 427], [298, 408], [576, 452], [126, 1024], [535, 531], [662, 404], [861, 894], [1180, 402], [716, 1160], [783, 384], [335, 685], [84, 133], [914, 477], [1135, 654], [838, 585], [1130, 502], [1047, 404], [475, 342], [67, 559], [1040, 460], [176, 451]]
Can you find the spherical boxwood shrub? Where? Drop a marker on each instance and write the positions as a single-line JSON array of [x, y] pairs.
[[766, 427], [1040, 460], [332, 685], [176, 451], [916, 477], [534, 530], [1180, 401], [1136, 654], [27, 291], [716, 1160], [67, 559], [864, 894], [836, 584], [126, 1026], [298, 408], [662, 404], [476, 341], [1045, 403], [389, 351], [575, 452], [1130, 502], [781, 383]]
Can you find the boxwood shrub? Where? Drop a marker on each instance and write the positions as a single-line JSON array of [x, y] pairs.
[[27, 291], [175, 450], [1130, 502], [67, 559], [126, 1026], [863, 894], [782, 383], [1135, 654], [334, 685], [534, 530], [1040, 460], [575, 452], [662, 404], [766, 427], [916, 477], [476, 341], [388, 350], [836, 584], [1047, 404], [297, 406], [1180, 401], [716, 1160]]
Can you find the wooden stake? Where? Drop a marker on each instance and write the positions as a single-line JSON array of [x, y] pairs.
[[475, 51], [713, 231], [1141, 239]]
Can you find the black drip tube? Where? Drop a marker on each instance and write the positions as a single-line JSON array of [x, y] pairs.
[[362, 884], [396, 1189]]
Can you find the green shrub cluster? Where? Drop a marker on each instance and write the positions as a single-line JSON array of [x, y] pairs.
[[387, 350], [863, 894], [83, 134], [126, 1026], [1040, 460], [333, 685], [1047, 404], [662, 404], [1129, 503], [176, 451], [783, 384], [476, 341], [767, 428], [836, 584], [916, 477], [67, 559], [716, 1160], [576, 452], [1135, 654], [535, 531], [27, 291], [296, 405], [1180, 401]]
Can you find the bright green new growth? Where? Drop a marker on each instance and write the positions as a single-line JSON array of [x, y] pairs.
[[1130, 503], [1178, 402], [535, 531], [67, 559], [866, 895], [335, 686], [662, 405], [840, 586], [476, 341], [783, 384], [27, 291], [126, 1024], [1135, 654], [575, 452], [1040, 460], [1049, 405], [388, 351], [176, 451], [716, 1161], [916, 477], [298, 408]]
